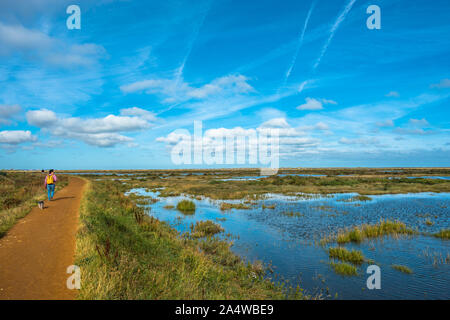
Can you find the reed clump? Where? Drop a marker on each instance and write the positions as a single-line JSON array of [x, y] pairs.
[[367, 231]]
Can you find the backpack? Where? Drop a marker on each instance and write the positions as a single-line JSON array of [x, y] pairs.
[[50, 179]]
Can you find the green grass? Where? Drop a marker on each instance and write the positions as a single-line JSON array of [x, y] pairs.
[[205, 229], [19, 193], [365, 181], [354, 256], [125, 254], [367, 231], [186, 206], [344, 268], [444, 234], [402, 268]]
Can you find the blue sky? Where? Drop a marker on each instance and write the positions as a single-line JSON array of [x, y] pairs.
[[110, 95]]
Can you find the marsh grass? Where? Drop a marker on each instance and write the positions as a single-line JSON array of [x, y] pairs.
[[19, 193], [363, 182], [186, 206], [125, 254], [205, 229], [402, 268], [367, 231], [340, 253], [344, 268], [224, 206], [357, 198], [291, 213], [444, 234]]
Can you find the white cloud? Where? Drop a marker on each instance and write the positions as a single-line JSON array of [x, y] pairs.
[[445, 83], [275, 123], [321, 126], [16, 137], [8, 112], [315, 104], [174, 90], [37, 44], [102, 132], [41, 118], [311, 104], [419, 122], [385, 124], [291, 140], [393, 94], [138, 112]]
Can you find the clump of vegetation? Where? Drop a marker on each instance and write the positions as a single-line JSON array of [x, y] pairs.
[[186, 206], [19, 193], [344, 268], [292, 213], [354, 256], [443, 234], [224, 206], [357, 198], [126, 254], [362, 232], [428, 222], [402, 268], [205, 229]]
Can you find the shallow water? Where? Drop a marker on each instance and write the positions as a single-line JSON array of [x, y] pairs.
[[289, 244]]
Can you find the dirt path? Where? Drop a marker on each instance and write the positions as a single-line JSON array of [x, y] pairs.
[[36, 252]]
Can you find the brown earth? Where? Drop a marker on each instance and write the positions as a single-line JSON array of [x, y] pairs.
[[35, 253]]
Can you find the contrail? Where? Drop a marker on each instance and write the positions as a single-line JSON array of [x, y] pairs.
[[179, 72], [335, 26], [299, 44]]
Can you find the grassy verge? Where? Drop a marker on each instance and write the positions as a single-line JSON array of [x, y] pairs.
[[19, 193], [125, 254]]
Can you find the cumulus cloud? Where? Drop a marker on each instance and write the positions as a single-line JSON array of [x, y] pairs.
[[315, 104], [138, 112], [8, 112], [15, 137], [102, 132], [174, 90], [445, 83], [291, 140]]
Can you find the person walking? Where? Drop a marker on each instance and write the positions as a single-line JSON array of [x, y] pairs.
[[50, 181]]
